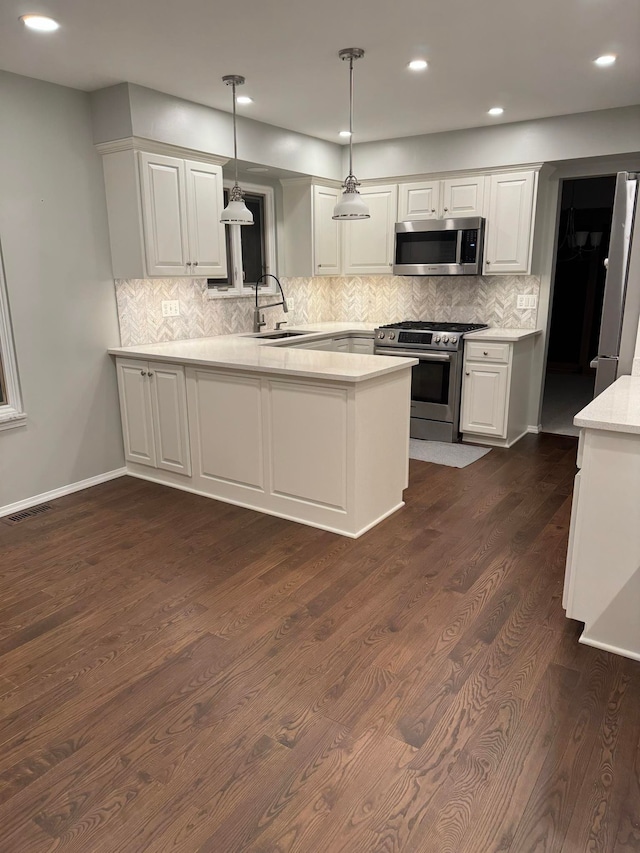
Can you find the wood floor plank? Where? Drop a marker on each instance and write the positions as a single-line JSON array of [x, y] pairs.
[[178, 674]]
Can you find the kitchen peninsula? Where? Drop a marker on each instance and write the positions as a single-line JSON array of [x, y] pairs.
[[276, 425]]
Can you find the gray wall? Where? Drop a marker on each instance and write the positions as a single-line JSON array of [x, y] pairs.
[[128, 109], [594, 134], [53, 228]]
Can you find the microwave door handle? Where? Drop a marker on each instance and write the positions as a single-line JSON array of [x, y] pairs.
[[459, 247]]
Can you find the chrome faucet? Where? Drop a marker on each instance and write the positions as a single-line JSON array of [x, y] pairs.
[[258, 317]]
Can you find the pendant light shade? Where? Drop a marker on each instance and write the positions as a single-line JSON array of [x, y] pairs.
[[351, 205], [236, 212]]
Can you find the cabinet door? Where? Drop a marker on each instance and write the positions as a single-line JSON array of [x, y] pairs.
[[326, 232], [463, 196], [136, 412], [207, 243], [368, 244], [510, 223], [484, 399], [171, 426], [164, 214], [419, 201]]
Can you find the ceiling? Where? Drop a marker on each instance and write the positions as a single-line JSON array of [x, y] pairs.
[[532, 57]]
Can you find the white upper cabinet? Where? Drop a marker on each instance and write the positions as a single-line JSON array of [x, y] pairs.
[[452, 197], [327, 232], [164, 212], [164, 215], [368, 244], [207, 248], [463, 196], [509, 234], [419, 201]]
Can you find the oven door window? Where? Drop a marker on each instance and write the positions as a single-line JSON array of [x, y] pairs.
[[430, 382], [426, 247]]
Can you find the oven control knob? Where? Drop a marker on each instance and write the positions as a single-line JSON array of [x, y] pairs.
[[392, 336], [380, 335], [437, 339], [445, 340], [454, 340]]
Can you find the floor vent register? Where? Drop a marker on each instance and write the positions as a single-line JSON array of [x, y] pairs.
[[25, 514]]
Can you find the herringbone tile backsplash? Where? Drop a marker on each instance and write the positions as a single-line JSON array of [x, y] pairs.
[[375, 299]]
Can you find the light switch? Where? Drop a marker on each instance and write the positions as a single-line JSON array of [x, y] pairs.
[[170, 307]]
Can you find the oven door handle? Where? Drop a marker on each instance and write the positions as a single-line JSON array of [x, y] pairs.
[[422, 356]]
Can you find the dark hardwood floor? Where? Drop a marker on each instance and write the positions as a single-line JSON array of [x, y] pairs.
[[178, 674]]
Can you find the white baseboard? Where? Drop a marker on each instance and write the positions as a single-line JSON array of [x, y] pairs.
[[287, 516], [9, 509], [534, 429]]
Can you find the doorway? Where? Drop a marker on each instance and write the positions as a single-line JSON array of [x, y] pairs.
[[584, 228]]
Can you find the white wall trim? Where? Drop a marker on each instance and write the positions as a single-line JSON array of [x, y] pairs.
[[9, 509], [139, 143], [12, 411], [534, 429]]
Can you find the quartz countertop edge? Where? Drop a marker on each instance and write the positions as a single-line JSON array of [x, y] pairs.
[[503, 335], [617, 409], [255, 354]]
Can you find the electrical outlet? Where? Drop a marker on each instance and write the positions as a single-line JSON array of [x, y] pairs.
[[170, 307], [291, 305], [526, 300]]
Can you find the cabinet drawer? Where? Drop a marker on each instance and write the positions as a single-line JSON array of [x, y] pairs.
[[478, 351]]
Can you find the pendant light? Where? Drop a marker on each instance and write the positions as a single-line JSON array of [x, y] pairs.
[[351, 205], [236, 212]]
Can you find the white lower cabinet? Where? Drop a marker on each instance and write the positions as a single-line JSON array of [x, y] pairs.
[[484, 401], [297, 447], [153, 408], [602, 578], [495, 391]]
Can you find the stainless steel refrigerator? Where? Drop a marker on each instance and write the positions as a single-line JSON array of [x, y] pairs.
[[621, 305]]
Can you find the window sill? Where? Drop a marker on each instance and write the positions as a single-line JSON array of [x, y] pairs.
[[11, 418]]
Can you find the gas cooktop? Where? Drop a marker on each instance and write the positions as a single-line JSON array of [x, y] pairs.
[[421, 326], [424, 335]]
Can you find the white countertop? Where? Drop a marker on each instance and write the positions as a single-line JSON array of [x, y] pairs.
[[493, 333], [246, 352], [616, 409]]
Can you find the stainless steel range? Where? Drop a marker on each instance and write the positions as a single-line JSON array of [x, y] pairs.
[[436, 382]]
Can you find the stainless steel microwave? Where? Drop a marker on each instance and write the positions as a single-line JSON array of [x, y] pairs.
[[439, 247]]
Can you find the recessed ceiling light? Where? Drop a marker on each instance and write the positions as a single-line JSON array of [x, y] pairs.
[[40, 23], [605, 59], [345, 133], [244, 99], [418, 64], [496, 111]]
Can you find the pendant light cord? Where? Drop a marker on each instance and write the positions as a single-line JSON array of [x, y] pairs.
[[235, 134], [351, 115]]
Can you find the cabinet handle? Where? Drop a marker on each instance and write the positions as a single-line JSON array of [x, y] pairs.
[[195, 263], [433, 210], [487, 262], [466, 373], [446, 210], [188, 263], [150, 373], [484, 353], [143, 373]]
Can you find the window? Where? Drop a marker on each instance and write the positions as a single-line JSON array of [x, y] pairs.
[[11, 414], [251, 249]]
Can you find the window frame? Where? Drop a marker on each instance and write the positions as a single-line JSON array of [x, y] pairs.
[[12, 413], [236, 286]]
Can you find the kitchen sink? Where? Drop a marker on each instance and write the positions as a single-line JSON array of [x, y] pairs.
[[277, 335]]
